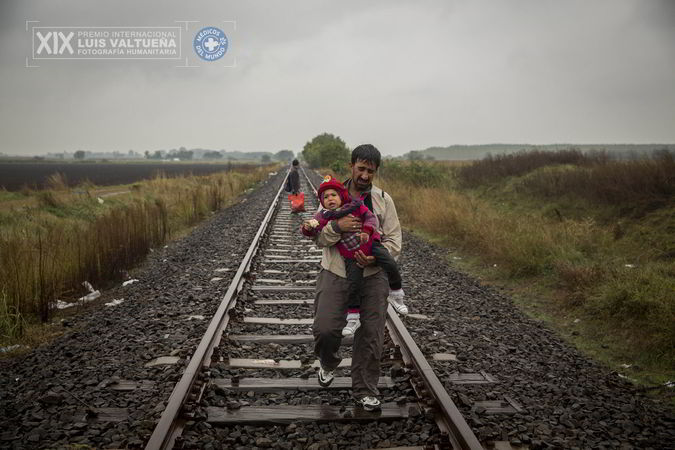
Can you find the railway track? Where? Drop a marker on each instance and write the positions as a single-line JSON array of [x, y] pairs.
[[255, 365]]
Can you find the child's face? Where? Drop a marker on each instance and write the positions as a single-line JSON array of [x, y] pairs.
[[331, 199]]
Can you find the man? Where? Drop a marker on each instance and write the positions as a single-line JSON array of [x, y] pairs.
[[294, 178], [331, 297]]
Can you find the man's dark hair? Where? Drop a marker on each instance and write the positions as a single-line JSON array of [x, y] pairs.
[[367, 153], [295, 162]]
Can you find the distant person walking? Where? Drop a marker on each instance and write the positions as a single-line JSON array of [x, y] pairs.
[[294, 177]]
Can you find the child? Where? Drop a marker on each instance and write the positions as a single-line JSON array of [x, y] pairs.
[[337, 203]]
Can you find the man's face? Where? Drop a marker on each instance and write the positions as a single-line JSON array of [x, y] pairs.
[[363, 173]]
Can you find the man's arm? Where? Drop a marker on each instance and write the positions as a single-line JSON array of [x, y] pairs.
[[392, 238], [332, 232]]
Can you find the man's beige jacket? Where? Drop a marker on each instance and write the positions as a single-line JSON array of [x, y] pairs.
[[389, 228]]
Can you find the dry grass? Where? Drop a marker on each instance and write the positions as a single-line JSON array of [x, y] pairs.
[[48, 250], [616, 273]]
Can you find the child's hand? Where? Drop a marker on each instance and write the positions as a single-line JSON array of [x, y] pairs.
[[364, 237], [310, 224]]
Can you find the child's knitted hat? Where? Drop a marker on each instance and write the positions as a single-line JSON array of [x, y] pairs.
[[332, 183]]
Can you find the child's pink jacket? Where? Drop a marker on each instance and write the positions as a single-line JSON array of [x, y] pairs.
[[350, 242]]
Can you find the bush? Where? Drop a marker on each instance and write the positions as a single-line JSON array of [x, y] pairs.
[[416, 173], [648, 182], [493, 168]]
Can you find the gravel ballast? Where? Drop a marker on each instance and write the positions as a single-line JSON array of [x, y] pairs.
[[45, 393], [567, 400]]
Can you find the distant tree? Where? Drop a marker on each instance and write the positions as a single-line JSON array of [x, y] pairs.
[[415, 155], [325, 150], [181, 154], [266, 158], [147, 154], [157, 155], [430, 158], [284, 155], [79, 154], [212, 155]]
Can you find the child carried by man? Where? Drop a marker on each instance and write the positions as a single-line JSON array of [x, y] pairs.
[[337, 203]]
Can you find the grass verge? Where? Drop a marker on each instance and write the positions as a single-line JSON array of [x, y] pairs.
[[597, 269], [51, 241]]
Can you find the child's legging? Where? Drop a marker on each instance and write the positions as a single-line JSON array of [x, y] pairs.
[[355, 273]]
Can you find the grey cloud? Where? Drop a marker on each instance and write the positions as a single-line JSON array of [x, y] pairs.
[[402, 75]]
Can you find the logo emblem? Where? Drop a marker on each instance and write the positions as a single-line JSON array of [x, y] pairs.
[[210, 43], [327, 178]]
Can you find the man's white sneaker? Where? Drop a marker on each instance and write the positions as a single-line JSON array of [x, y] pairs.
[[369, 403], [396, 300], [326, 377], [351, 327]]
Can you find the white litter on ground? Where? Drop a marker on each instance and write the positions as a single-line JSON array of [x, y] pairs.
[[630, 266], [92, 295], [100, 200], [115, 302], [10, 348], [128, 282], [625, 377], [215, 279], [196, 317], [626, 366], [577, 320], [89, 297], [60, 304]]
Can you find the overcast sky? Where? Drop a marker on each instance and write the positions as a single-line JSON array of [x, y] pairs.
[[402, 75]]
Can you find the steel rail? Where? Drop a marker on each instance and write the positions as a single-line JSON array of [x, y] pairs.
[[450, 418], [165, 432], [452, 421]]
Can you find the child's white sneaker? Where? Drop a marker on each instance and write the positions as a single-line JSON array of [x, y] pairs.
[[396, 300], [353, 324]]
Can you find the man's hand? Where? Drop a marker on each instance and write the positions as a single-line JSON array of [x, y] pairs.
[[363, 260], [349, 224], [364, 237]]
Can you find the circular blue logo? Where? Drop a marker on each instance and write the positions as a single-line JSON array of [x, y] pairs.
[[210, 43]]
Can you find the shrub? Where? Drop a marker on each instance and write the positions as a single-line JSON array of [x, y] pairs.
[[416, 173], [493, 168], [57, 182], [648, 183]]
